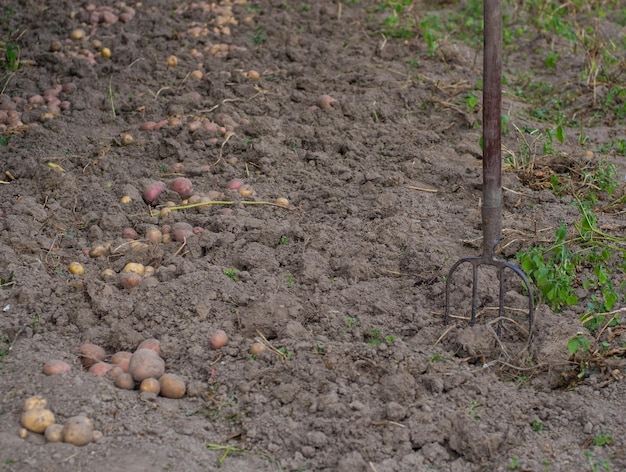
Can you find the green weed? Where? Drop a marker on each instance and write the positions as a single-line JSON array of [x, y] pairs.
[[231, 274], [259, 37], [602, 439]]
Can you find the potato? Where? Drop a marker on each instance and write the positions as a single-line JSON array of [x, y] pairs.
[[125, 381], [36, 401], [325, 102], [55, 367], [76, 268], [134, 267], [114, 372], [257, 349], [100, 369], [282, 201], [54, 433], [151, 385], [146, 363], [153, 344], [181, 231], [78, 430], [121, 357], [154, 235], [37, 419], [219, 339], [129, 279], [152, 192], [172, 386], [91, 354], [182, 186]]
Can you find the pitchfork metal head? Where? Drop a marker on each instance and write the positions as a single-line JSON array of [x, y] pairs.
[[491, 219]]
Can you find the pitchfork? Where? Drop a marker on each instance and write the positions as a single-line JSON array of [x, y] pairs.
[[491, 209]]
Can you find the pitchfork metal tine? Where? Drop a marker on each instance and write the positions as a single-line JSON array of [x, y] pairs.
[[501, 265]]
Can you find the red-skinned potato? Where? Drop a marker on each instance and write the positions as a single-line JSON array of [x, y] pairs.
[[91, 353], [121, 359], [56, 367], [182, 186], [219, 339], [153, 344], [181, 231], [146, 363], [152, 192], [100, 369]]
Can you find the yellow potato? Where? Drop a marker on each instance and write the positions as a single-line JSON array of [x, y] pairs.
[[36, 401], [54, 433], [150, 385], [172, 386], [78, 430], [37, 419]]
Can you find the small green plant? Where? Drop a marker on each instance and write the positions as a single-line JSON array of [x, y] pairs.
[[597, 466], [11, 57], [351, 322], [602, 439], [436, 357], [259, 38], [514, 463], [283, 241], [374, 337], [320, 349], [578, 343], [291, 281], [285, 352], [537, 425], [471, 410], [551, 59], [471, 102], [231, 274], [553, 270]]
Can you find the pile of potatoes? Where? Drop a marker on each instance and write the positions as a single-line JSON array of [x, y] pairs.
[[143, 369], [37, 418]]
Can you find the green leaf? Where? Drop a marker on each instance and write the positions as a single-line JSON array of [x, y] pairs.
[[573, 345], [571, 300], [560, 134]]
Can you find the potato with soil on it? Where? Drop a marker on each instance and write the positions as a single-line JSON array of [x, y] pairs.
[[129, 279], [37, 420], [100, 369], [36, 401], [56, 367], [124, 381], [182, 186], [153, 191], [146, 363], [54, 433], [172, 386], [78, 430], [151, 385], [219, 339], [153, 344], [91, 353]]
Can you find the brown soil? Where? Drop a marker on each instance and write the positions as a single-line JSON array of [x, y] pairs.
[[346, 285]]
